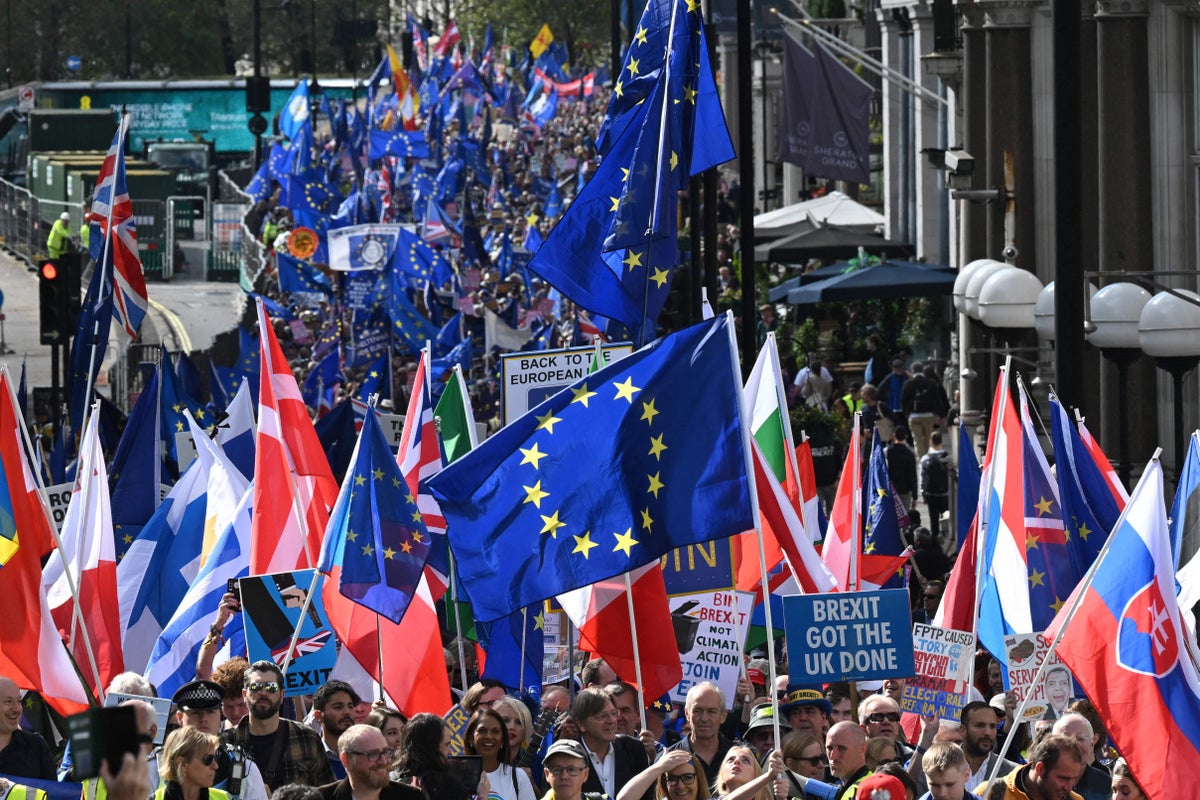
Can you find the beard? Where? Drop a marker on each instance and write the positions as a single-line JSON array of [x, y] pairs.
[[264, 709]]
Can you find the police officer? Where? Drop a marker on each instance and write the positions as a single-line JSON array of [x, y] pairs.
[[199, 704]]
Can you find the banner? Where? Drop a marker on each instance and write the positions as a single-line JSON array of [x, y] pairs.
[[271, 606], [839, 122], [943, 659], [799, 65], [529, 378], [852, 636], [360, 247]]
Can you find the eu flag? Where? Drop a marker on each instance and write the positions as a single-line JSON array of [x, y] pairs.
[[881, 513], [619, 468], [398, 142], [377, 529]]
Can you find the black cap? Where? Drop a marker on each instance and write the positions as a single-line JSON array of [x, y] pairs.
[[199, 696], [566, 747]]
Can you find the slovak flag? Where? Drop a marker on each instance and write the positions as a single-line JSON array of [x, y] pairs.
[[1127, 647], [112, 212]]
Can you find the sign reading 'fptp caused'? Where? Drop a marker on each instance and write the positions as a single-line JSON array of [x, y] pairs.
[[848, 637]]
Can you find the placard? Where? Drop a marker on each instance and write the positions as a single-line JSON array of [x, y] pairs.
[[271, 607], [710, 629], [850, 636], [1049, 697], [943, 659], [529, 378]]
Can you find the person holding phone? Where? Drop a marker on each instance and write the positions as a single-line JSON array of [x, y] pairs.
[[188, 767], [486, 736]]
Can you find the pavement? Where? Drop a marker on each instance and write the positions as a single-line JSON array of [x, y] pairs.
[[186, 313]]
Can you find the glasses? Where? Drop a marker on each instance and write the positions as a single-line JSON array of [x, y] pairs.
[[932, 596], [686, 779], [270, 687], [207, 760], [570, 772], [814, 761], [374, 755], [879, 717]]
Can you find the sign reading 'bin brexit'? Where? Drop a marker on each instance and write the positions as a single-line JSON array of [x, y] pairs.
[[853, 636], [710, 628]]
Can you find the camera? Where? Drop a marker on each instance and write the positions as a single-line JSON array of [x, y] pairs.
[[1009, 253], [959, 162]]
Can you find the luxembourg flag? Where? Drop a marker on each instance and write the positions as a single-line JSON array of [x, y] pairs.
[[1126, 645], [1004, 599]]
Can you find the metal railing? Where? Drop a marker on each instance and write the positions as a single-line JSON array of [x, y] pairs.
[[25, 221]]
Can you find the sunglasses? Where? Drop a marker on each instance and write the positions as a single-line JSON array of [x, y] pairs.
[[687, 779], [270, 687], [815, 761], [890, 717], [207, 760]]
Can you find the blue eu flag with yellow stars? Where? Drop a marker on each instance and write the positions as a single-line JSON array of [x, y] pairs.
[[399, 143], [621, 467], [881, 512], [376, 530]]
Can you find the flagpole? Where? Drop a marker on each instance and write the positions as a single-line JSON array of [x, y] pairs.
[[58, 545], [856, 502], [1080, 590], [521, 671], [748, 449], [462, 653], [985, 491], [85, 491], [637, 657], [379, 654]]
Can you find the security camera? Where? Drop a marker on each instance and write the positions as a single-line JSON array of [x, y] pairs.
[[1009, 253], [960, 162]]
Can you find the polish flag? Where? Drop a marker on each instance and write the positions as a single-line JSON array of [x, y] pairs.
[[602, 614], [293, 487], [843, 539], [31, 651], [89, 553], [809, 502]]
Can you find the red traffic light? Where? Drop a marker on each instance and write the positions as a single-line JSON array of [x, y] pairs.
[[49, 271]]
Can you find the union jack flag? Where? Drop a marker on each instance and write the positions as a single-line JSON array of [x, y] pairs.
[[420, 457], [112, 211]]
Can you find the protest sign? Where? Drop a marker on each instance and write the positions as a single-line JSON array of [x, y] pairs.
[[710, 628], [456, 722], [271, 606], [1050, 696], [943, 659], [529, 378], [852, 636]]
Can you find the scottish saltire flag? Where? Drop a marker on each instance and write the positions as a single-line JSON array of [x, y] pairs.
[[1085, 534], [969, 478], [547, 505], [113, 241], [160, 564], [295, 115], [515, 646], [173, 659], [1127, 647], [236, 432], [378, 532]]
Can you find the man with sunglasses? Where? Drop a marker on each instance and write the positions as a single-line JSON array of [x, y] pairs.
[[285, 751], [879, 715], [367, 758], [199, 706]]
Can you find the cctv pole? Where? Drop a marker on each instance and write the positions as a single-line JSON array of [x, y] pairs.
[[1069, 297]]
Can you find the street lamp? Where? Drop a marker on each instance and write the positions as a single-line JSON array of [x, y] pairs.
[[960, 283], [1169, 330], [1043, 312], [1116, 312], [979, 277]]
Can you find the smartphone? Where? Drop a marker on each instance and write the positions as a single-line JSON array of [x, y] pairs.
[[468, 769], [231, 587], [102, 734]]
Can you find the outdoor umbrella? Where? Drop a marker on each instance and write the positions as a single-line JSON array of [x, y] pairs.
[[828, 243], [887, 279]]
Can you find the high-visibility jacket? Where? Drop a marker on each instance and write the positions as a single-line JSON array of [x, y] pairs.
[[59, 239]]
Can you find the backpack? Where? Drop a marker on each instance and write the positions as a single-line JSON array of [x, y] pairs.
[[924, 400], [935, 479]]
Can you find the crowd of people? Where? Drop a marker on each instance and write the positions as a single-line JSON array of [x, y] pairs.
[[234, 736]]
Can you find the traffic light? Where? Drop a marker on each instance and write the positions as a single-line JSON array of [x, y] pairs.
[[59, 297]]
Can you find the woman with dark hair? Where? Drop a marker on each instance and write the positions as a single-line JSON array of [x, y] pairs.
[[486, 736], [1124, 787], [422, 761], [390, 723]]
